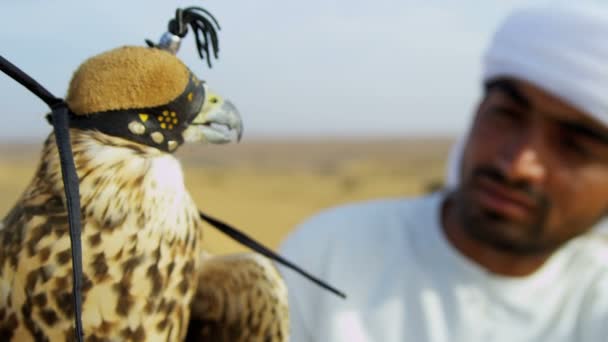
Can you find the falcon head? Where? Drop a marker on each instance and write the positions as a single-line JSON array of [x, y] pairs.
[[147, 95]]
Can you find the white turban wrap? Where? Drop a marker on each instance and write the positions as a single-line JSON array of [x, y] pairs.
[[562, 49]]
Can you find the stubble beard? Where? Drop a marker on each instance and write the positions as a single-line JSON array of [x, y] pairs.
[[500, 233]]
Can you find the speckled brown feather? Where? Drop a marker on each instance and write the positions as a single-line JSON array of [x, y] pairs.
[[141, 232], [141, 240], [240, 298]]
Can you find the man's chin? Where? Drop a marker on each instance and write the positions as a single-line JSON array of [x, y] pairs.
[[507, 236]]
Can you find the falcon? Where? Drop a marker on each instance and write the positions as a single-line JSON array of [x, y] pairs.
[[145, 274]]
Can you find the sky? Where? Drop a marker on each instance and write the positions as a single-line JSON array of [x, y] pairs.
[[315, 68]]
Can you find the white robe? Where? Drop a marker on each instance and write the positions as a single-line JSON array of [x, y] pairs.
[[406, 283]]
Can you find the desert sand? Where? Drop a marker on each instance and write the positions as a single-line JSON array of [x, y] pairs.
[[267, 187]]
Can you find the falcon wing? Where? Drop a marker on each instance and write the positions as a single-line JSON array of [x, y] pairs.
[[240, 297]]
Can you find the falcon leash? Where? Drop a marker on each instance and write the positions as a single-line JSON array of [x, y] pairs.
[[60, 122]]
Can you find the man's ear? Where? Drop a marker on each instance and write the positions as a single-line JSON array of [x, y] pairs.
[[480, 108], [462, 147], [457, 153], [482, 103]]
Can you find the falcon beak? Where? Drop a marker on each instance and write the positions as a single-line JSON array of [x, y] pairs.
[[218, 122]]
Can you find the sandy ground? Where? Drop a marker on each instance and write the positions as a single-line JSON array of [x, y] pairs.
[[268, 187]]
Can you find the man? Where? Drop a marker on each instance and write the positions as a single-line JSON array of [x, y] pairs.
[[504, 256]]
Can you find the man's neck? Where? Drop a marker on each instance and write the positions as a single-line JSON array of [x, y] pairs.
[[487, 256]]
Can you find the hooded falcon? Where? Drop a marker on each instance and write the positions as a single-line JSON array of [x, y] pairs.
[[143, 263]]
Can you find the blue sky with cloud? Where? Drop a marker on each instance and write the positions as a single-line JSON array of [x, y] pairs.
[[293, 68]]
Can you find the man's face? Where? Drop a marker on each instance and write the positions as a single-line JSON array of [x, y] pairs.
[[534, 172]]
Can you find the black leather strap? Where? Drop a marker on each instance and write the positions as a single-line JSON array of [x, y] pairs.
[[71, 187], [160, 127], [61, 120], [245, 240]]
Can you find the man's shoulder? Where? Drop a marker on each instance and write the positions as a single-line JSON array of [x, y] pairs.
[[356, 230], [586, 260], [360, 220], [591, 253], [588, 275]]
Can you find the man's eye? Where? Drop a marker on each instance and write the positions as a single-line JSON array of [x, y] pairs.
[[505, 114], [508, 112], [572, 144], [576, 145]]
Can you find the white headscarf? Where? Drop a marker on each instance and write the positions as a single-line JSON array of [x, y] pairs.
[[562, 49]]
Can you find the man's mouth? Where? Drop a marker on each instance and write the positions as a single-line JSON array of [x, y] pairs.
[[503, 200]]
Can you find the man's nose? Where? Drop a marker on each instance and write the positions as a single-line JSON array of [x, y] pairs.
[[521, 158]]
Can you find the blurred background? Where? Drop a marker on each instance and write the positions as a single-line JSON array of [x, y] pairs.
[[342, 100]]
